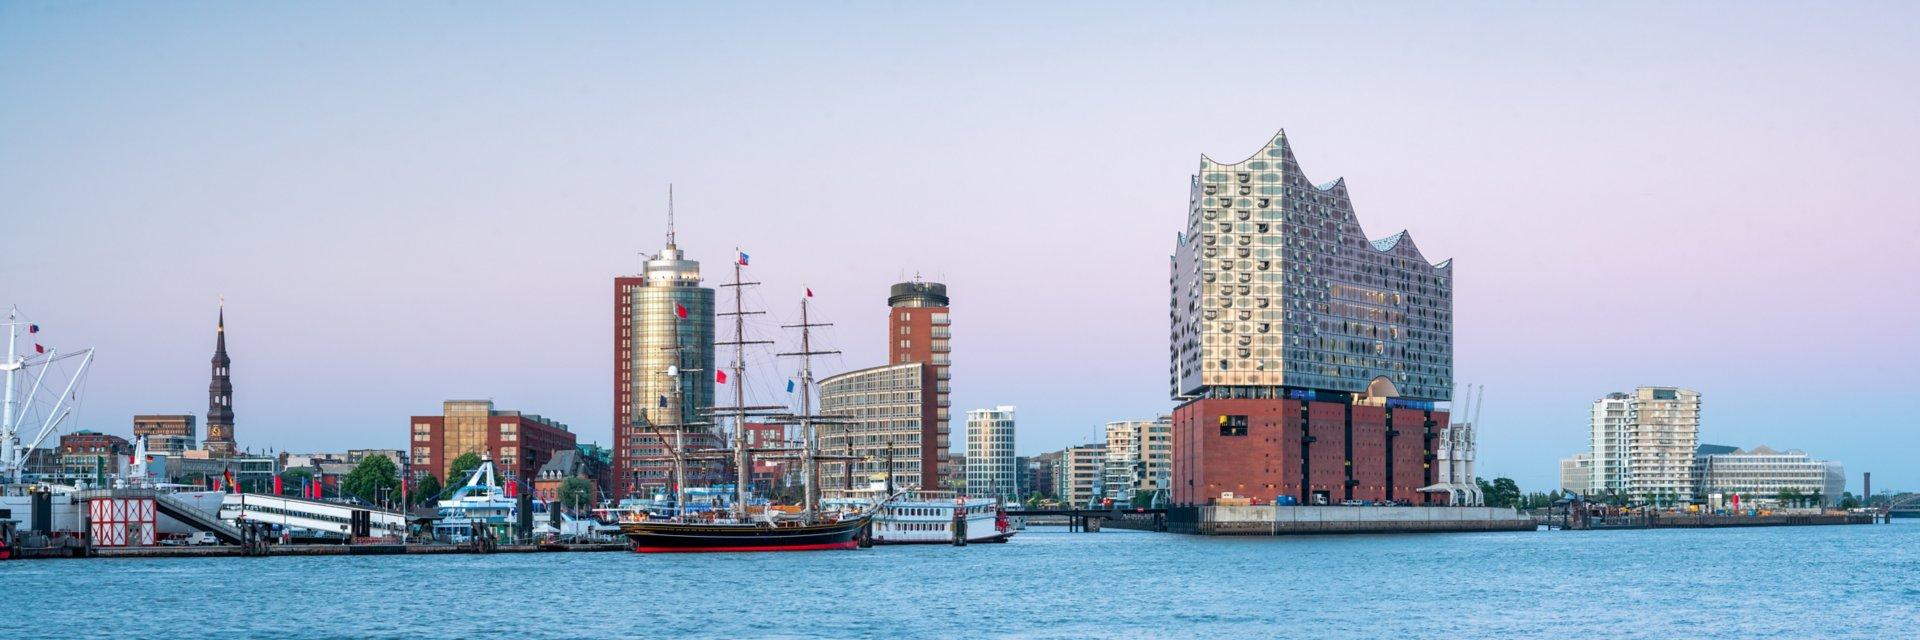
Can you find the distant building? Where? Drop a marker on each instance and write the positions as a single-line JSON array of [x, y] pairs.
[[918, 331], [1139, 458], [879, 413], [1576, 473], [290, 460], [1308, 359], [662, 323], [167, 434], [1643, 444], [1023, 481], [92, 456], [1040, 475], [570, 463], [254, 473], [1079, 475], [1763, 473], [767, 472], [990, 463], [220, 440], [518, 443]]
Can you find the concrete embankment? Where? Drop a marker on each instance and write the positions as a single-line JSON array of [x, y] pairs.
[[1268, 520], [341, 550]]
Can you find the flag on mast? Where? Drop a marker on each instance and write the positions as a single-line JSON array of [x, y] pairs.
[[743, 257], [720, 377], [789, 386], [680, 310], [33, 328], [809, 292], [39, 349]]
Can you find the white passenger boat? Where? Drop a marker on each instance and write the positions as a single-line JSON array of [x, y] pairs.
[[930, 517]]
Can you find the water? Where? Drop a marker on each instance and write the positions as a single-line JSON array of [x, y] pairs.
[[1787, 582]]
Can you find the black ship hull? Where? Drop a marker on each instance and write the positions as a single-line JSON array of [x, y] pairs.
[[677, 537]]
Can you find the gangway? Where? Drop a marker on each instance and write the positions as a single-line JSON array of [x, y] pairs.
[[187, 514], [313, 515]]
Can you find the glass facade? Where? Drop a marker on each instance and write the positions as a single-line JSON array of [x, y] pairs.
[[1274, 284], [991, 472], [652, 338]]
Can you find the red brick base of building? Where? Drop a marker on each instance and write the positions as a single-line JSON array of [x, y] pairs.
[[1317, 451]]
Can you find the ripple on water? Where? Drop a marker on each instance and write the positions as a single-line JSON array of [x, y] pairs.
[[1786, 583]]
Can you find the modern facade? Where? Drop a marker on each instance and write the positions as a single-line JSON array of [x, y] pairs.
[[220, 442], [518, 443], [1763, 473], [1642, 446], [1079, 475], [991, 468], [919, 331], [663, 368], [878, 414], [1139, 458], [167, 434], [1576, 473], [1309, 361]]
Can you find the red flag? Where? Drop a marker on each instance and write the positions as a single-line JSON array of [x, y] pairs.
[[276, 485], [219, 485], [720, 377], [511, 491], [39, 349], [679, 310], [231, 483], [809, 292], [403, 493]]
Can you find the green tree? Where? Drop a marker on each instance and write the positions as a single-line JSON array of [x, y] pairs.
[[1815, 499], [1142, 499], [1788, 497], [426, 490], [1502, 492], [576, 492], [369, 479], [463, 465]]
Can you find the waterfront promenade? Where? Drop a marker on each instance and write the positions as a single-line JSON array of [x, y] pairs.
[[1045, 584]]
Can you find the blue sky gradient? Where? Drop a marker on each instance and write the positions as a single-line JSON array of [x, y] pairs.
[[405, 204]]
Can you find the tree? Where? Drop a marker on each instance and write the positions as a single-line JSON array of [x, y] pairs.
[[1142, 499], [426, 490], [1502, 492], [1788, 497], [462, 467], [576, 492], [372, 478]]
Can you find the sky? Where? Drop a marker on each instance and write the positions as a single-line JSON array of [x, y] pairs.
[[406, 204]]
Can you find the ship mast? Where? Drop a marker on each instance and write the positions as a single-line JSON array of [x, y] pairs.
[[13, 455], [810, 446], [743, 470]]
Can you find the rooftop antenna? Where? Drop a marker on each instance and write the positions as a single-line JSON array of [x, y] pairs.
[[670, 242]]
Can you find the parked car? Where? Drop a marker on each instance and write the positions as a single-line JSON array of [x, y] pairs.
[[202, 538]]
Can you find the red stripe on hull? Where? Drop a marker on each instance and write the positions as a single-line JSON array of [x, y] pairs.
[[850, 544]]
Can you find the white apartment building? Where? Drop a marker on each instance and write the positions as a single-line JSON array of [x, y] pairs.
[[1139, 457], [1642, 444], [1079, 475], [990, 468], [1576, 473]]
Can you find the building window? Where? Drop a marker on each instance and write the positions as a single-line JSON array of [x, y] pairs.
[[1233, 425]]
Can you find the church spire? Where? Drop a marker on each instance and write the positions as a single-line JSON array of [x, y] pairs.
[[220, 442]]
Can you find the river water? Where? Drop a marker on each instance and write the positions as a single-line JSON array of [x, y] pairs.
[[1786, 582]]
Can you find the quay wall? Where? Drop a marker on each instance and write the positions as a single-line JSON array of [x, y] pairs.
[[1270, 520]]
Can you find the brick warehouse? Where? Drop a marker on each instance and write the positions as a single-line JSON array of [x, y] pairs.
[[1263, 449], [1309, 361]]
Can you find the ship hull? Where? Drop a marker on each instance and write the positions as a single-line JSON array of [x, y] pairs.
[[669, 537]]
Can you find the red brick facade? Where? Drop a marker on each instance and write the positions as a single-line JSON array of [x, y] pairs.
[[1263, 459]]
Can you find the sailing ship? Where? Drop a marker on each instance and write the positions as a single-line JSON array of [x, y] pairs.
[[809, 530]]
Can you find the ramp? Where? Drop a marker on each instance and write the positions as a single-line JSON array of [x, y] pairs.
[[186, 514]]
